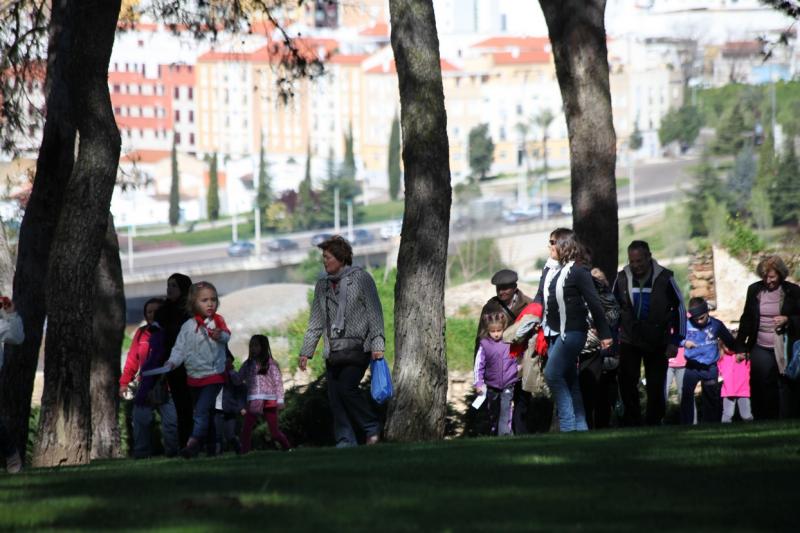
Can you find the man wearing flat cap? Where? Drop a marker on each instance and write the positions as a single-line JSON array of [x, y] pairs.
[[511, 301]]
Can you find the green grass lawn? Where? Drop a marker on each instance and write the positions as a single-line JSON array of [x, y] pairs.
[[382, 211], [736, 478], [222, 233]]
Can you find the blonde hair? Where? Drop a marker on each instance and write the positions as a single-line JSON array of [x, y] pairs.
[[194, 292]]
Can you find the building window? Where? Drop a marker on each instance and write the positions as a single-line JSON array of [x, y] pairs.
[[115, 87], [177, 115], [177, 138], [191, 93], [191, 116], [191, 139], [176, 93]]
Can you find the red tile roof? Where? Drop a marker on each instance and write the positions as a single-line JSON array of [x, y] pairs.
[[521, 58], [340, 59], [274, 51], [145, 156], [391, 68], [379, 29], [523, 43]]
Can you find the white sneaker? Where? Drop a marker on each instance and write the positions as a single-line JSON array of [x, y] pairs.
[[14, 463]]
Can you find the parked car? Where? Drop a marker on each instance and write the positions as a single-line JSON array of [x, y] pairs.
[[522, 215], [319, 238], [240, 248], [391, 229], [281, 245], [361, 236]]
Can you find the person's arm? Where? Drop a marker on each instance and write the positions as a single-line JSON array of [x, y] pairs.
[[132, 360], [585, 285], [478, 370], [678, 319], [11, 329], [316, 322], [727, 339], [277, 379], [372, 303], [178, 354]]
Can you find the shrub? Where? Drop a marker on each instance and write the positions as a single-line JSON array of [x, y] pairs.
[[741, 239]]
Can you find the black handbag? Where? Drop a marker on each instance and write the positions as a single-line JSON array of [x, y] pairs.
[[158, 395], [344, 350]]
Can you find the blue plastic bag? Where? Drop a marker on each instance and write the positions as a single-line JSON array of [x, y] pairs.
[[381, 386], [793, 368]]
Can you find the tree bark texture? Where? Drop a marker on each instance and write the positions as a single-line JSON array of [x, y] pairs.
[[6, 262], [109, 330], [53, 168], [65, 429], [418, 409], [578, 37]]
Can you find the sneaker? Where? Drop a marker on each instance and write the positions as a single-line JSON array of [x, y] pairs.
[[14, 463], [191, 450]]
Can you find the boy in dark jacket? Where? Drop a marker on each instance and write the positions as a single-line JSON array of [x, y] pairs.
[[231, 402]]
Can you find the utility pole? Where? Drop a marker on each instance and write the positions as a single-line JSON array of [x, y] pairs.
[[257, 215], [631, 189], [350, 220], [336, 224]]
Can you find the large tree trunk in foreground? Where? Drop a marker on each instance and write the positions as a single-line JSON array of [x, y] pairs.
[[419, 407], [65, 429], [578, 37], [109, 329], [53, 168]]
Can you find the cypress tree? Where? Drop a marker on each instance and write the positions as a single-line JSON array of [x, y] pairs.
[[304, 213], [174, 190], [212, 197], [264, 190], [785, 195], [394, 159]]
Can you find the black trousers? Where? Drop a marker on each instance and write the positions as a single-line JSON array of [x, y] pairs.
[[182, 399], [655, 372], [348, 404], [522, 401], [7, 447], [598, 389]]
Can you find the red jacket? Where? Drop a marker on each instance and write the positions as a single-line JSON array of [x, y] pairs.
[[137, 355]]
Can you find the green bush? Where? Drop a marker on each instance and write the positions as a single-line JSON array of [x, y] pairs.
[[741, 239]]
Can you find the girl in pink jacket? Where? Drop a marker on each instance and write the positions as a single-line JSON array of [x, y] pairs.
[[735, 372], [264, 381]]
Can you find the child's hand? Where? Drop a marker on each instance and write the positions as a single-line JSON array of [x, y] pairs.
[[480, 390], [243, 412], [689, 344], [215, 334], [740, 357]]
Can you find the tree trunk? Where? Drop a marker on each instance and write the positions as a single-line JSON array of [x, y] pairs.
[[6, 262], [53, 168], [578, 37], [418, 409], [65, 432], [109, 329]]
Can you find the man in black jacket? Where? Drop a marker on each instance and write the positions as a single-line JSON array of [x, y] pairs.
[[652, 325]]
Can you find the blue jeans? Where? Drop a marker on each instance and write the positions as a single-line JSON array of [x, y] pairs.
[[561, 375], [205, 400], [143, 418]]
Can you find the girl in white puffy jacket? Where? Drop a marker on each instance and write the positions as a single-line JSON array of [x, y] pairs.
[[201, 348], [11, 332]]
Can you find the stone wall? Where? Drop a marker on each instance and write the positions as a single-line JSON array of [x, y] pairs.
[[702, 282]]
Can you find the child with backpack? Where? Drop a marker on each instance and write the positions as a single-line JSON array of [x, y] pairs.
[[231, 400], [262, 376]]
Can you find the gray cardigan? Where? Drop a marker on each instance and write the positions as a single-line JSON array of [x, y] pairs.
[[363, 320]]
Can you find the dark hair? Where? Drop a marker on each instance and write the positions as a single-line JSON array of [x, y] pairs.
[[772, 262], [339, 248], [567, 246], [490, 319], [194, 290], [183, 282], [639, 245], [159, 301], [265, 354], [695, 301]]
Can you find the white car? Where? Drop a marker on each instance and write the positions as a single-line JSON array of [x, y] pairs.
[[391, 230]]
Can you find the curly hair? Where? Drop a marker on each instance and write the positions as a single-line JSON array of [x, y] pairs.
[[568, 247], [772, 262], [339, 248]]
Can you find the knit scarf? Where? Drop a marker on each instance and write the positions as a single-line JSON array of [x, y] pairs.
[[340, 279], [217, 320]]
